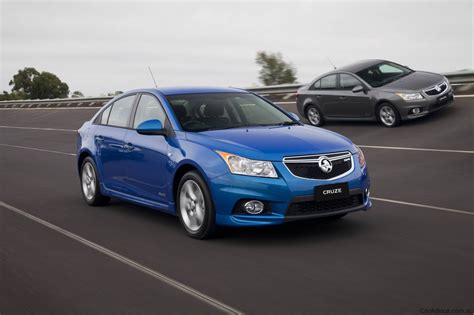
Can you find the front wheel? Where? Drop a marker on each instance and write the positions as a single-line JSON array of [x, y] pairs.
[[195, 207], [314, 116], [388, 115]]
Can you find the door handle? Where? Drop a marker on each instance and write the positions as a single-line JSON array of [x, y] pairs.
[[99, 138], [342, 97]]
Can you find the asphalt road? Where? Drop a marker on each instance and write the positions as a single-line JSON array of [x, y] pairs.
[[396, 258]]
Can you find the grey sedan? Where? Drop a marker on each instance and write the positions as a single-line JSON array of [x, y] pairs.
[[372, 90]]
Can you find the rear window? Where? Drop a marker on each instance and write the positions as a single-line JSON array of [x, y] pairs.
[[120, 112], [329, 82]]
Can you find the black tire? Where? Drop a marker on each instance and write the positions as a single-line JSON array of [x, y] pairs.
[[311, 114], [388, 115], [96, 198], [207, 227]]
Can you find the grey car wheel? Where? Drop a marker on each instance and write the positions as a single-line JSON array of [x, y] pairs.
[[314, 116], [388, 115]]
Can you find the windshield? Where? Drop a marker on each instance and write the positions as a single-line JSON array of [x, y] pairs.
[[201, 112], [383, 73]]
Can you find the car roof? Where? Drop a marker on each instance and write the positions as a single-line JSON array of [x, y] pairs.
[[190, 90], [360, 65]]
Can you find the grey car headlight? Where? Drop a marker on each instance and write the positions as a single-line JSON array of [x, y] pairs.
[[410, 96], [243, 166]]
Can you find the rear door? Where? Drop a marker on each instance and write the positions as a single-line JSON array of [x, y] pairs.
[[109, 139], [352, 105], [326, 94], [146, 156]]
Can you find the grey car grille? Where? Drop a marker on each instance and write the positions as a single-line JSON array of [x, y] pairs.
[[307, 166], [437, 89]]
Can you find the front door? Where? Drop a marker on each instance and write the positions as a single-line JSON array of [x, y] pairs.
[[147, 155], [352, 105]]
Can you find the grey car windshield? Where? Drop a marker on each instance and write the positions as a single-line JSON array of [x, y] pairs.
[[383, 73], [201, 112]]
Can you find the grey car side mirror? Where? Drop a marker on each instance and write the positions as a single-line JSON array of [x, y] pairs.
[[357, 89]]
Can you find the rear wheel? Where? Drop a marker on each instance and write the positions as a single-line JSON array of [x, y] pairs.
[[314, 116], [388, 115], [90, 184], [195, 207]]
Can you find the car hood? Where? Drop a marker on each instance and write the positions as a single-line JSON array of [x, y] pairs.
[[272, 143], [415, 81]]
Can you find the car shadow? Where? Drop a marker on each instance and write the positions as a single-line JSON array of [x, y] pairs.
[[314, 230], [434, 117]]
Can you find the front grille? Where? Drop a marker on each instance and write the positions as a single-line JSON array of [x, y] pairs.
[[433, 91], [320, 207], [308, 166]]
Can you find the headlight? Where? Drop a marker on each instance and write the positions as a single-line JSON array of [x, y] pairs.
[[360, 156], [410, 96], [243, 166], [448, 85]]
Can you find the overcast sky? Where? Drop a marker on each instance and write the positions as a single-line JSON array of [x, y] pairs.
[[99, 47]]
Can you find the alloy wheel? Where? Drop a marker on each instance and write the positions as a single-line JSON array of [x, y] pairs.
[[192, 205], [313, 116], [88, 181]]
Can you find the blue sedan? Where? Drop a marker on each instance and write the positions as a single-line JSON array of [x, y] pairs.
[[218, 156]]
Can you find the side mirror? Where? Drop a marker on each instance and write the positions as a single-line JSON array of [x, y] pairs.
[[152, 127], [357, 89], [294, 116]]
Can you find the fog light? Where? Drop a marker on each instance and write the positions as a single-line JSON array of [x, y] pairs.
[[367, 193], [416, 110], [253, 207]]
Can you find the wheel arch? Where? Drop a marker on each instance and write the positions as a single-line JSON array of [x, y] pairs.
[[379, 103], [181, 170]]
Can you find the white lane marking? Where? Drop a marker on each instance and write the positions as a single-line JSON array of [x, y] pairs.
[[467, 95], [48, 108], [422, 206], [36, 149], [155, 274], [414, 149], [37, 128]]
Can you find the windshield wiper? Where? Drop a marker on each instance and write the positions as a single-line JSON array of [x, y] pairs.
[[288, 123]]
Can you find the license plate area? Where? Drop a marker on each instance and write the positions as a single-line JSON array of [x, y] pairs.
[[332, 191]]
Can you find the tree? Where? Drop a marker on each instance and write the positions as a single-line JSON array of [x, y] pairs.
[[48, 85], [31, 84], [274, 70], [77, 94], [23, 80]]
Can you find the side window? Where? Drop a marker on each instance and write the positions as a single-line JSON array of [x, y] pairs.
[[120, 112], [148, 108], [105, 116], [329, 82], [348, 82], [317, 85]]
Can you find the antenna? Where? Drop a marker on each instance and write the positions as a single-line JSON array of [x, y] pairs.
[[152, 76], [329, 60]]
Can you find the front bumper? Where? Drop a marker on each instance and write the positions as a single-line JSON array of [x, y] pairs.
[[286, 198], [427, 105]]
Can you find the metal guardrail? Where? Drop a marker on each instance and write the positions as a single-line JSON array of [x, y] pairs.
[[277, 93]]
